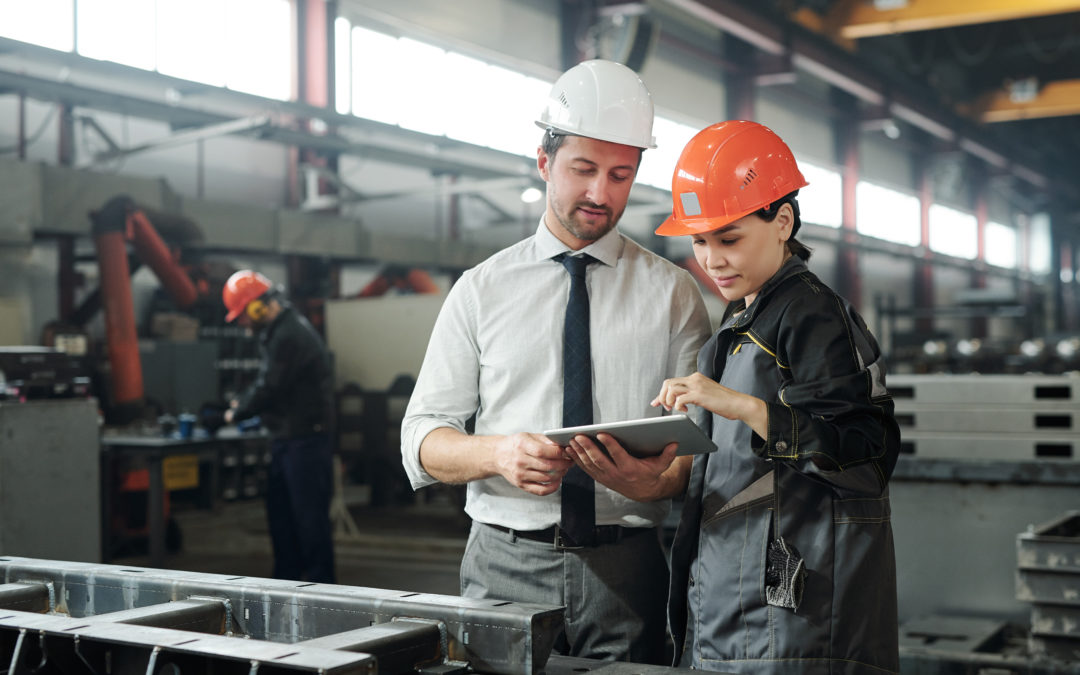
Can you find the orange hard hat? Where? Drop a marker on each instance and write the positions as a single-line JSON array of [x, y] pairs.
[[241, 288], [727, 171]]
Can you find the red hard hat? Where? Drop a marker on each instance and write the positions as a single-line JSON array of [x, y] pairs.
[[727, 171], [241, 288]]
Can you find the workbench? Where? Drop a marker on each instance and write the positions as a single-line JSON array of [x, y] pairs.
[[152, 451]]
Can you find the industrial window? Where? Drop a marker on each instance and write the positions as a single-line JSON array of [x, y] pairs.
[[427, 89], [121, 31], [48, 23], [821, 202], [953, 232], [1001, 245], [258, 49], [658, 165], [1040, 260], [423, 88], [244, 45], [887, 214]]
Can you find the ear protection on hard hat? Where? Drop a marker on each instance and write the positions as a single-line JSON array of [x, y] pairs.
[[257, 310]]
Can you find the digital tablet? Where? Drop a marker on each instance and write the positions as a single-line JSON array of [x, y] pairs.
[[644, 437]]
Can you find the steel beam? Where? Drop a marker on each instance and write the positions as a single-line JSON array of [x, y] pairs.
[[197, 615], [497, 637], [228, 128], [863, 19], [831, 64], [399, 646], [1054, 99], [25, 597], [356, 136], [42, 643]]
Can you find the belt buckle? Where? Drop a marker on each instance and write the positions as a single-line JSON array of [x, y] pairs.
[[561, 542]]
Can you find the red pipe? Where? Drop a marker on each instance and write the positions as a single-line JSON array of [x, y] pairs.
[[119, 317], [152, 250]]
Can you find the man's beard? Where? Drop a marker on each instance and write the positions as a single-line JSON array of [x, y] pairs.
[[588, 232]]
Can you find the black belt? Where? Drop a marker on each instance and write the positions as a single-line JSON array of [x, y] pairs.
[[601, 534]]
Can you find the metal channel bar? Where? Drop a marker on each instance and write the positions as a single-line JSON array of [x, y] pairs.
[[399, 646], [501, 638], [25, 597], [199, 616], [55, 643]]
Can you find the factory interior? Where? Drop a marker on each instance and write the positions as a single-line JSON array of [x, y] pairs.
[[362, 154]]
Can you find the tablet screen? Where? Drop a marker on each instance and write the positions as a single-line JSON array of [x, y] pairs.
[[644, 437]]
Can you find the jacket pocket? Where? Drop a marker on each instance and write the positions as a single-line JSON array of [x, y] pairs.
[[729, 615]]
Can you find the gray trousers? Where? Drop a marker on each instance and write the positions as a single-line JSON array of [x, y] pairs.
[[615, 595]]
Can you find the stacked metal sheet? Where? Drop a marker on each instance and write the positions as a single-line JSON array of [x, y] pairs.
[[1048, 576], [988, 417]]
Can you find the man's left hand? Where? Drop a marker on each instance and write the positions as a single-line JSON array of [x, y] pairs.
[[637, 478]]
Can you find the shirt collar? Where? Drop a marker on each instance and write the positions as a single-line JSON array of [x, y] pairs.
[[607, 249]]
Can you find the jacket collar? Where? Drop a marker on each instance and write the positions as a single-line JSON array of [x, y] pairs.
[[269, 330], [792, 266]]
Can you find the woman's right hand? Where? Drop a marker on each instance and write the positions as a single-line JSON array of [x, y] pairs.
[[678, 392]]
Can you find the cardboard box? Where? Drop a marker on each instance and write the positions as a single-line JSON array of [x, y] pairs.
[[174, 326]]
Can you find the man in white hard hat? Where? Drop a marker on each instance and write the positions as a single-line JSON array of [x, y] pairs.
[[497, 354]]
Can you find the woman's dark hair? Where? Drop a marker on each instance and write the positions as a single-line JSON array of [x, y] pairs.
[[768, 213]]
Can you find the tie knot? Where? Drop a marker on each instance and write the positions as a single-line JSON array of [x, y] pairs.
[[575, 264]]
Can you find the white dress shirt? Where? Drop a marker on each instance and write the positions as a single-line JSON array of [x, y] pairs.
[[496, 351]]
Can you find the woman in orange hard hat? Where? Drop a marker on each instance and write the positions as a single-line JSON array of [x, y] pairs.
[[783, 560]]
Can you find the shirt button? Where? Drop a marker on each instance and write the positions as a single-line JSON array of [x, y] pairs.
[[781, 446]]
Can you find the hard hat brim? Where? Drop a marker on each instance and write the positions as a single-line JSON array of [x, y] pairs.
[[676, 228], [610, 138]]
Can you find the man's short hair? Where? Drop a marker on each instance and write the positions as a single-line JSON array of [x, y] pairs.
[[551, 142]]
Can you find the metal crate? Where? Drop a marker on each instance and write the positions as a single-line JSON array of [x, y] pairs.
[[1048, 576]]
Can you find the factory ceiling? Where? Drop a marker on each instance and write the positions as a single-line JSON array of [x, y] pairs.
[[1004, 72]]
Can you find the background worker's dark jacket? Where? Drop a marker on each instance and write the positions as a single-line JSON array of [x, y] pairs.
[[293, 392], [833, 443]]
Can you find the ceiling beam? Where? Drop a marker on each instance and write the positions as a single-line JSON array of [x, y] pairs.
[[828, 62], [1054, 99], [854, 20]]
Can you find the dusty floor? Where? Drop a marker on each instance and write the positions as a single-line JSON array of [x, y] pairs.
[[414, 547]]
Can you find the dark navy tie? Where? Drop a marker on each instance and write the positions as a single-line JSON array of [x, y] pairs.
[[578, 506]]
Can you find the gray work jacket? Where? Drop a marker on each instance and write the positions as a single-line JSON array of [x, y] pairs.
[[832, 443]]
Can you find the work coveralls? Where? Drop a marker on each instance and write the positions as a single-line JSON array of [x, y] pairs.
[[832, 443]]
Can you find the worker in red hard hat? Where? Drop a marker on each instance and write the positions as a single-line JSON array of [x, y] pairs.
[[784, 556], [293, 396]]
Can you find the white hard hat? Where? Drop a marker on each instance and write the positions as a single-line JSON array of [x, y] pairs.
[[602, 100]]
